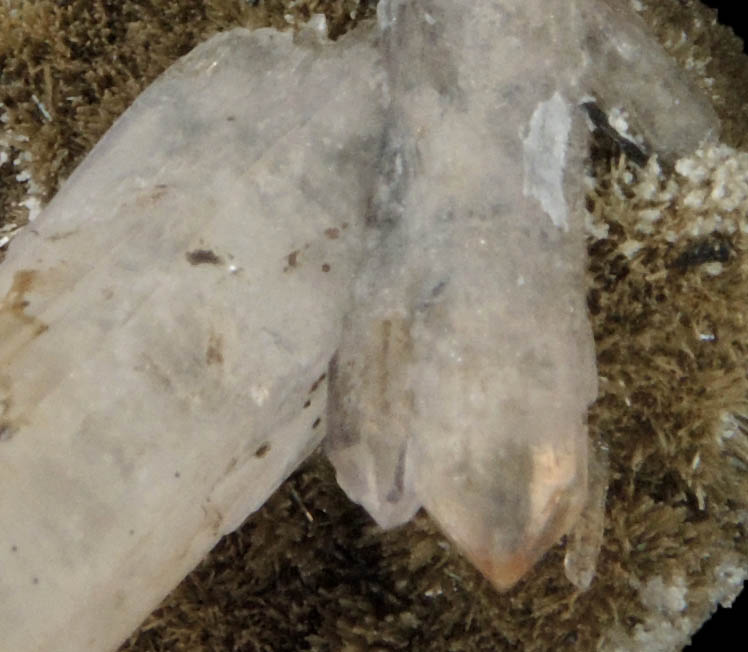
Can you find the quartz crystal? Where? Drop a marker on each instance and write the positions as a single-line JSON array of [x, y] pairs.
[[467, 364], [165, 323], [410, 197]]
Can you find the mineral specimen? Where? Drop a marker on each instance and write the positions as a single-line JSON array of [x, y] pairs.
[[414, 203]]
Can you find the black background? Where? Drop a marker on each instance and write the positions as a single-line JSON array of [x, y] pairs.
[[732, 13], [725, 631]]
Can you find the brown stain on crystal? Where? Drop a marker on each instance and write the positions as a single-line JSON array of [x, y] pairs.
[[292, 260], [151, 196], [213, 517], [395, 346], [332, 233], [214, 350], [203, 257], [15, 302], [262, 450], [7, 430], [317, 383], [9, 424]]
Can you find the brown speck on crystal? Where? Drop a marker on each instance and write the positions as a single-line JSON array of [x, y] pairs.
[[202, 257]]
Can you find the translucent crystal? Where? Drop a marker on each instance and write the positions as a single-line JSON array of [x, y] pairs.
[[165, 323], [467, 365]]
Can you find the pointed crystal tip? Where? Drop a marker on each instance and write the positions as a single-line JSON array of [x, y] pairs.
[[506, 526]]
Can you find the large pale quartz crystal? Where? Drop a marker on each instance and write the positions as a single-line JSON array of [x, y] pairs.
[[467, 365], [413, 203], [164, 325]]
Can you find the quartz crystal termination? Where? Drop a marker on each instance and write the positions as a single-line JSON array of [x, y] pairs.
[[467, 364]]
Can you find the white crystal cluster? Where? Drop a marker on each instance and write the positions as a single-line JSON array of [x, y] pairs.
[[20, 163], [705, 194]]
